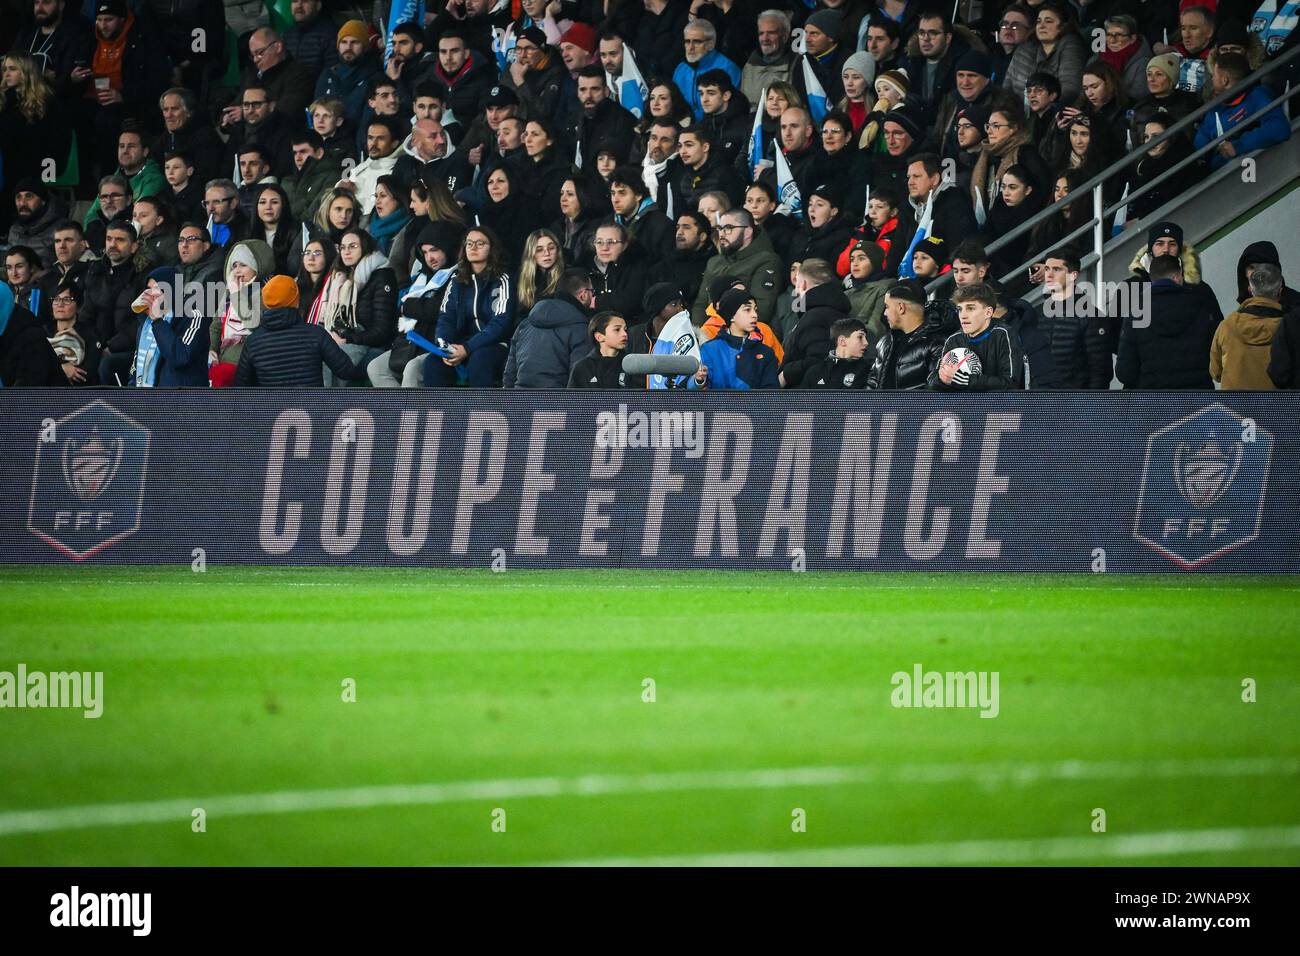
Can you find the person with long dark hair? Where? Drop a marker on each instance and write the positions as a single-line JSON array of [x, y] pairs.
[[583, 206], [548, 168], [317, 264], [508, 211], [1019, 198], [391, 214], [476, 315], [275, 225]]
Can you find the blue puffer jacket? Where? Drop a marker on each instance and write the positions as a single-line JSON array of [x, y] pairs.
[[478, 313], [739, 365], [686, 75]]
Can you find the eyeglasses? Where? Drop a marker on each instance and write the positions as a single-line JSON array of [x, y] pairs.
[[313, 254], [109, 197], [186, 240], [350, 247], [729, 228], [480, 243], [258, 54], [253, 104], [1116, 35], [608, 242], [993, 126], [216, 202], [1012, 25], [63, 300]]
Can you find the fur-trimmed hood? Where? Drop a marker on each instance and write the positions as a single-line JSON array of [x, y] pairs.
[[1191, 263]]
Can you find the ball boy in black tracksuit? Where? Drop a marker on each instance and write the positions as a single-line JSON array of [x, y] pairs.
[[1001, 364], [849, 364], [603, 366]]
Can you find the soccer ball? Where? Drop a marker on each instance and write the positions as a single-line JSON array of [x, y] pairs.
[[963, 360]]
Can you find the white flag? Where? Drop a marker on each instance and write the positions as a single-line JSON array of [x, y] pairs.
[[787, 190]]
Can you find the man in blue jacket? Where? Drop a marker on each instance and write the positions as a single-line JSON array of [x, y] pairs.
[[1269, 130], [701, 57], [171, 350]]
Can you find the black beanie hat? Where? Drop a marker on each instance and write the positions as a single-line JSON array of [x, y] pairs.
[[731, 302], [445, 235], [658, 296], [1162, 230], [719, 286]]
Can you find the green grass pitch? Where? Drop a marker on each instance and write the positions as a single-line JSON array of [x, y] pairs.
[[518, 699]]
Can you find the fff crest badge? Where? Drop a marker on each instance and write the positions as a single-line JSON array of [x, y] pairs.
[[1203, 486], [88, 483]]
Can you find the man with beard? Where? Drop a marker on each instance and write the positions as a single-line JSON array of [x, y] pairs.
[[263, 123], [703, 172], [410, 63], [114, 203], [129, 68], [577, 51], [346, 80], [661, 169], [932, 71], [35, 217], [604, 125], [58, 40], [745, 255], [772, 61], [110, 287], [692, 250], [312, 40], [537, 76], [475, 21], [183, 130], [70, 262], [903, 357], [427, 155], [383, 139], [467, 74]]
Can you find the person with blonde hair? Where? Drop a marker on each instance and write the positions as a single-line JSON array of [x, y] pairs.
[[32, 125], [540, 270], [337, 212]]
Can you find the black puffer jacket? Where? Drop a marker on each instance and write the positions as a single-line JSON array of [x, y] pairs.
[[825, 242], [838, 373], [548, 344], [1080, 345], [109, 290], [286, 352], [903, 360], [811, 341]]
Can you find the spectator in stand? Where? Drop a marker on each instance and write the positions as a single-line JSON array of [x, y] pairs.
[[26, 358], [1127, 52], [827, 231], [601, 123], [1015, 27], [705, 170], [185, 131], [726, 115], [824, 53], [537, 76], [540, 270], [1240, 353], [780, 229], [286, 352], [227, 222], [185, 189], [903, 358], [199, 260], [1252, 256], [126, 71], [313, 175], [152, 218], [359, 308], [1163, 93], [771, 60], [692, 250], [260, 121], [824, 303], [661, 168], [780, 97], [248, 265], [58, 40], [657, 38], [1043, 103], [583, 206], [635, 210], [1156, 163], [553, 338], [509, 212], [336, 132], [1018, 200], [476, 316], [950, 211], [1196, 43], [1081, 349], [1166, 347], [390, 216], [383, 138], [858, 77], [849, 364], [33, 125], [68, 344], [36, 216], [1056, 48], [338, 212], [664, 105], [866, 285], [22, 271], [620, 268], [275, 225], [271, 66], [931, 70], [110, 287], [602, 367], [973, 87], [347, 78], [421, 305], [883, 40], [737, 357], [428, 154], [549, 166], [1166, 238], [1269, 130], [169, 351], [411, 66], [745, 255], [312, 40], [701, 57], [318, 257], [69, 263], [1103, 89]]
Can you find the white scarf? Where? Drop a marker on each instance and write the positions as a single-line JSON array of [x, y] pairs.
[[650, 173]]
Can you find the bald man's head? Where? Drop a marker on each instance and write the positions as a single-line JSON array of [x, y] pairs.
[[429, 140], [796, 129]]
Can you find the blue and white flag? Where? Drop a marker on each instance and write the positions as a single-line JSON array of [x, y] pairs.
[[402, 11], [503, 48], [677, 338], [923, 226], [632, 90], [756, 135], [1121, 217], [788, 197], [816, 92]]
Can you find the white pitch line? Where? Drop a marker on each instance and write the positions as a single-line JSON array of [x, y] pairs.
[[986, 852], [54, 819]]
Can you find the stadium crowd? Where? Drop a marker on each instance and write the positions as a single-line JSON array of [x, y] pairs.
[[521, 192]]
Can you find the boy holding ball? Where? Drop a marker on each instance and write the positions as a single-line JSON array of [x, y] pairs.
[[1000, 364]]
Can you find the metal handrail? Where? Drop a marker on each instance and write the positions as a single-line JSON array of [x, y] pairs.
[[1101, 178]]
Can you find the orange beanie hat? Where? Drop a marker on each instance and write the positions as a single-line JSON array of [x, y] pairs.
[[280, 292]]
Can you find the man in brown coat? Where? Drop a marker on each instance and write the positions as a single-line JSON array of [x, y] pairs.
[[1240, 351]]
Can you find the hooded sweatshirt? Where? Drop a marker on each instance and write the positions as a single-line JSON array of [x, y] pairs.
[[1254, 254]]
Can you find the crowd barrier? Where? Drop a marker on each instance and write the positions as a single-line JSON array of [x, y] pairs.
[[1071, 481]]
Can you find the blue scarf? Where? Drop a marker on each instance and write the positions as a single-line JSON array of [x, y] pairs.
[[648, 201], [383, 229], [146, 356]]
